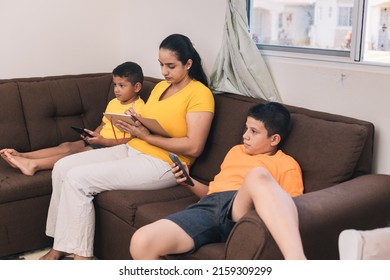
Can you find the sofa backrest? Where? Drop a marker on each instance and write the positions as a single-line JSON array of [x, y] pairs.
[[37, 113], [148, 85], [329, 148]]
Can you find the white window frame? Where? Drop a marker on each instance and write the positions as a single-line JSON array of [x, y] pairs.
[[354, 55]]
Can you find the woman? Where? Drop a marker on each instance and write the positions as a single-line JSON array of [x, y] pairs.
[[184, 107]]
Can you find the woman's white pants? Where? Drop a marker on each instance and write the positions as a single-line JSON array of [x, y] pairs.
[[79, 177]]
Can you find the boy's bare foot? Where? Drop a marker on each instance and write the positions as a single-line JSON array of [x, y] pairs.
[[12, 152], [25, 165], [53, 255], [5, 157]]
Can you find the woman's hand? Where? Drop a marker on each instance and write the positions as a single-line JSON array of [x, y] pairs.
[[136, 130], [131, 112]]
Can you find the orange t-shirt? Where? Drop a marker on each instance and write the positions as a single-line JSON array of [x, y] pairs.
[[237, 163]]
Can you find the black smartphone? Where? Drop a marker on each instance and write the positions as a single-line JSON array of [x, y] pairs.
[[176, 160], [81, 131]]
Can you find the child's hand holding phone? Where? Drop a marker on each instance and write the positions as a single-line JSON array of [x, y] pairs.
[[81, 131], [177, 161]]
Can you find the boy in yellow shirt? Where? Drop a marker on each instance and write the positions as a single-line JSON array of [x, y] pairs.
[[127, 78], [254, 175]]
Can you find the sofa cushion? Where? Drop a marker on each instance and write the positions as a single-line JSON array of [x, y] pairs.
[[14, 186], [327, 151], [151, 212], [226, 131], [125, 203], [324, 163], [12, 126], [147, 87], [55, 105]]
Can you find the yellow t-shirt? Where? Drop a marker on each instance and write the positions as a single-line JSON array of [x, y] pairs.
[[237, 163], [115, 106], [171, 114]]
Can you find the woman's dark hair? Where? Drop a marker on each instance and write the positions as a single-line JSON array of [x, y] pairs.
[[130, 70], [275, 117], [184, 50]]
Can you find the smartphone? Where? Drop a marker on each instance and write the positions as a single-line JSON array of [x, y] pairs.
[[81, 131], [176, 160]]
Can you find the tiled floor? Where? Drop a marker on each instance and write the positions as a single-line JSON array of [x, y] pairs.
[[34, 255]]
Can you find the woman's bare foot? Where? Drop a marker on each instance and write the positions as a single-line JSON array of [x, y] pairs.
[[25, 165], [53, 255]]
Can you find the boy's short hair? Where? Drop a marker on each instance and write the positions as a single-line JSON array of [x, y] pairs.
[[130, 70], [275, 117]]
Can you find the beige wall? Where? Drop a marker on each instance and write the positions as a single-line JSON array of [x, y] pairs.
[[45, 37], [201, 20], [357, 91]]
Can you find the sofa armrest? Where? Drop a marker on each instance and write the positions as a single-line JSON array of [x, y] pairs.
[[361, 203], [250, 239]]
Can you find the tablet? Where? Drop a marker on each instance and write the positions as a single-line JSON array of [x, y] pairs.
[[113, 118], [151, 124]]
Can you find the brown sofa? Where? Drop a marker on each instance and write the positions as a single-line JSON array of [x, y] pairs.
[[335, 153]]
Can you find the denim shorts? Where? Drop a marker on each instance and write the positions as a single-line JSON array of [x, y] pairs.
[[209, 220]]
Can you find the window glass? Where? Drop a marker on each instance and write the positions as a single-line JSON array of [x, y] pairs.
[[351, 28], [377, 39], [320, 24]]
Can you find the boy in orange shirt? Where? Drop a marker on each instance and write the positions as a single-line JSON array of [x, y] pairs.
[[254, 175]]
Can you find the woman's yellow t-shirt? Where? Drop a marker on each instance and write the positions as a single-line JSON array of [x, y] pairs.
[[171, 114], [237, 163], [115, 106]]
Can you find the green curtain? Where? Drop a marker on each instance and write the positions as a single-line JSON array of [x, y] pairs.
[[239, 67]]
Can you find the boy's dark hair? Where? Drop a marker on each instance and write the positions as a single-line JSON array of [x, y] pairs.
[[184, 50], [275, 117], [131, 71]]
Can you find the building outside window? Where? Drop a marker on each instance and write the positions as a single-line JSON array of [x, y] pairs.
[[350, 28]]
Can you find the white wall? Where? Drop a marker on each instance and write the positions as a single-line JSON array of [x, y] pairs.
[[353, 90], [45, 37], [151, 21]]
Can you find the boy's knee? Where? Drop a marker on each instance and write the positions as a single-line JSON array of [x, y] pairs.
[[138, 244], [258, 180], [259, 173]]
